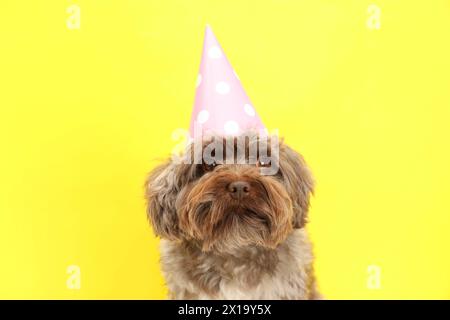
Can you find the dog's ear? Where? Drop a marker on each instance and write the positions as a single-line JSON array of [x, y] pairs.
[[299, 183], [162, 187]]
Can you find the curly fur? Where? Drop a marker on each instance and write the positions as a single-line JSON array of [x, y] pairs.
[[215, 246]]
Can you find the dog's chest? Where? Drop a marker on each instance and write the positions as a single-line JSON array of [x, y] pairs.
[[284, 274], [270, 286]]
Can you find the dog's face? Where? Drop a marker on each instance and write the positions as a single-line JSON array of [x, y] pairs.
[[221, 204]]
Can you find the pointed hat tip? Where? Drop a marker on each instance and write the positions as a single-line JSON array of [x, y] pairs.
[[208, 29]]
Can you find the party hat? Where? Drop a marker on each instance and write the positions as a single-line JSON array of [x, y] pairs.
[[221, 104]]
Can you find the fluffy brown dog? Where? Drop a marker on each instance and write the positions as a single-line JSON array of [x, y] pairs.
[[228, 230]]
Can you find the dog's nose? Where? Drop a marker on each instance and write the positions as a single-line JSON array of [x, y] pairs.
[[239, 189]]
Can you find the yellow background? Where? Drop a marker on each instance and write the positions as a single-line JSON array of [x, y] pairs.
[[86, 113]]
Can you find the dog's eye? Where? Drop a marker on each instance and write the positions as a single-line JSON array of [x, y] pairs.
[[263, 163], [209, 166]]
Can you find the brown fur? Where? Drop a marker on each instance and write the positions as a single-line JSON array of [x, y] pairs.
[[218, 247]]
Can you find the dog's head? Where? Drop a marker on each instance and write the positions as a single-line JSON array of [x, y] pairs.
[[227, 193]]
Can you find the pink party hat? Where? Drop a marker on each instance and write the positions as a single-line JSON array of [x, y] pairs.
[[221, 104]]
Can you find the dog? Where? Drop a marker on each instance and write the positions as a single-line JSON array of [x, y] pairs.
[[229, 231]]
